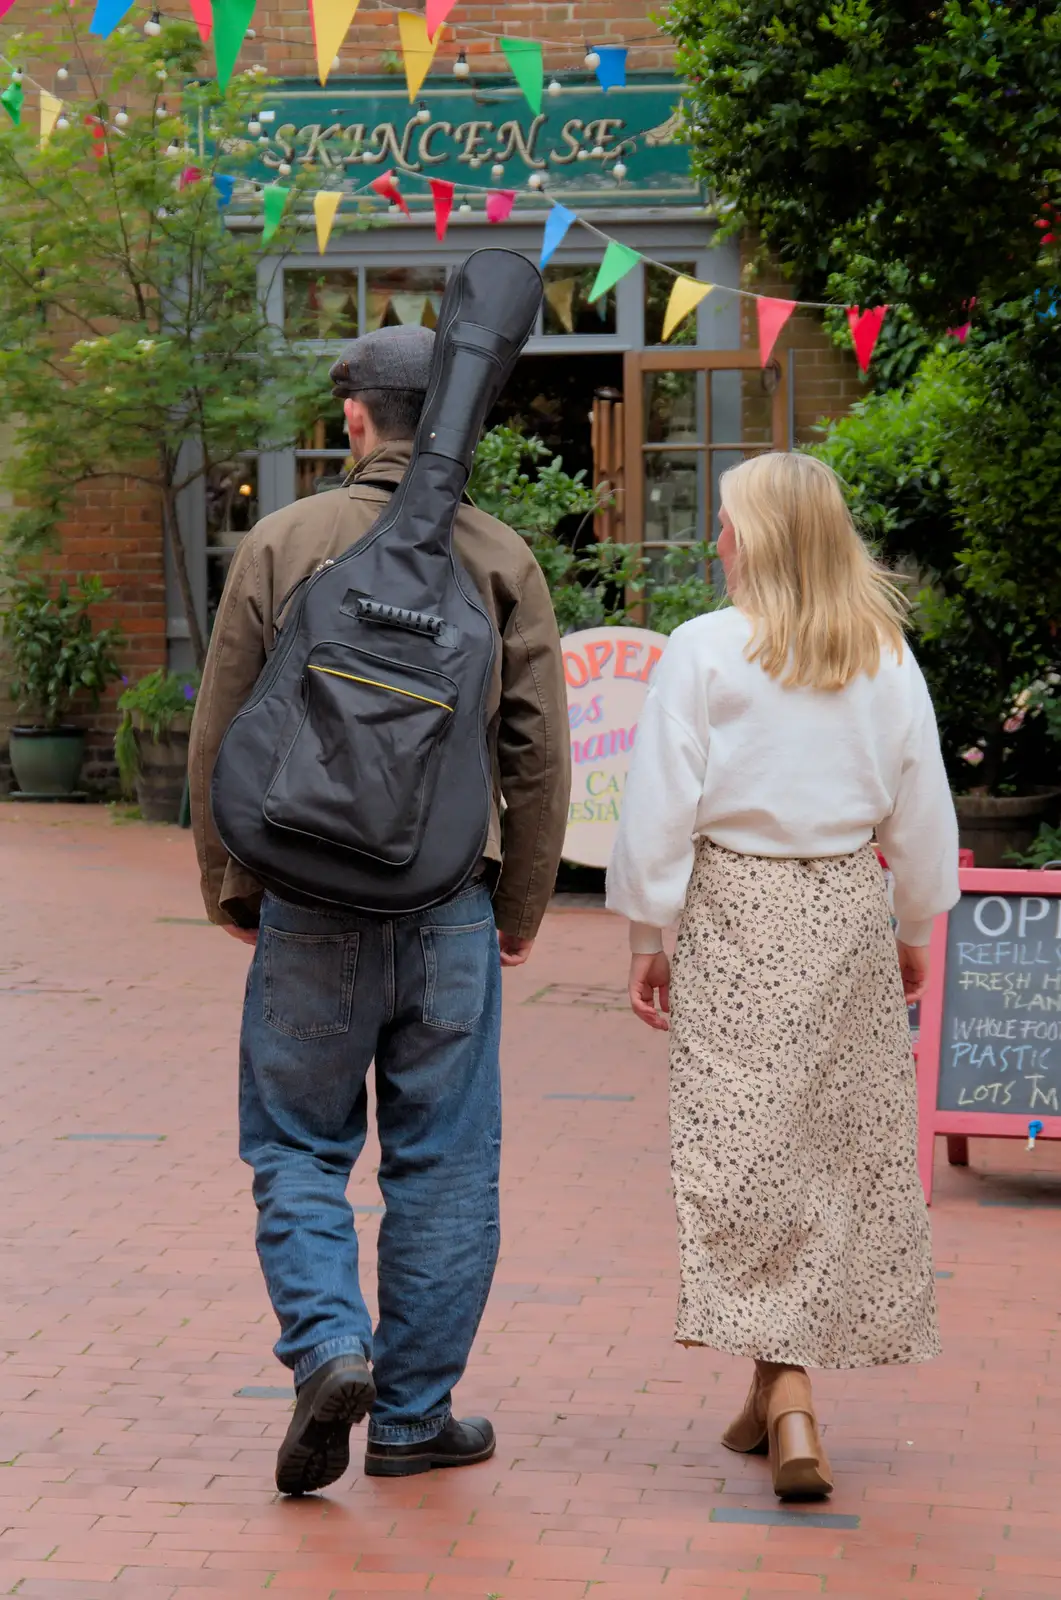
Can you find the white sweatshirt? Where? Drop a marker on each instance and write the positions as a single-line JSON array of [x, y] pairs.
[[725, 753]]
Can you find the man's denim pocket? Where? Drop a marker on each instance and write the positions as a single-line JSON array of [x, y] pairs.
[[456, 964], [308, 982]]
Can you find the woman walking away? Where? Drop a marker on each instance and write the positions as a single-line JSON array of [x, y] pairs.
[[778, 736]]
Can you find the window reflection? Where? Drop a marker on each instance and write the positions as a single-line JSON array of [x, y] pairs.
[[658, 286], [567, 307], [320, 305], [672, 497], [231, 495], [403, 296], [671, 407]]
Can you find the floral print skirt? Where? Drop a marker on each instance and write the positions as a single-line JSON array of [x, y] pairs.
[[803, 1232]]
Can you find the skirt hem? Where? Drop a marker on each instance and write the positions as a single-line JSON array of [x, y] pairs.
[[847, 1364]]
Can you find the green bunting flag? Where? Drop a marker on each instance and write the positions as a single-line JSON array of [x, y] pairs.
[[619, 259], [275, 201], [524, 56], [11, 100], [231, 21]]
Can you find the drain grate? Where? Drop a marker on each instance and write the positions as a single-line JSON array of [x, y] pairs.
[[784, 1519], [592, 997], [116, 1138], [256, 1391]]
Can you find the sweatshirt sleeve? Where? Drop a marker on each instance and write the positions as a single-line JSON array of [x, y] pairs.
[[920, 837], [653, 856]]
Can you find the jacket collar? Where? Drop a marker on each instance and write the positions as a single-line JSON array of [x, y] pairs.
[[388, 462]]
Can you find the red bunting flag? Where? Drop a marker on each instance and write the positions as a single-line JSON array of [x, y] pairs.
[[203, 12], [442, 195], [865, 331], [189, 176], [387, 189], [99, 136], [499, 203], [961, 333], [773, 314], [437, 12]]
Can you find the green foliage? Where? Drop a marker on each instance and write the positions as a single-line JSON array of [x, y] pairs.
[[151, 706], [532, 502], [1045, 849], [134, 341], [886, 150], [54, 654]]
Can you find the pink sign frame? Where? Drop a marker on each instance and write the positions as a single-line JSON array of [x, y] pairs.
[[958, 1125]]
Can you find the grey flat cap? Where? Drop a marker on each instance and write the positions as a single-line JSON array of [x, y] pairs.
[[389, 358]]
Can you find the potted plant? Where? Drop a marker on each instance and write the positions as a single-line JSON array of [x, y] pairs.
[[55, 657], [151, 744]]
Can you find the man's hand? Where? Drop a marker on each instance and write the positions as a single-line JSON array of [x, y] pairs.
[[244, 935], [514, 952], [913, 964], [649, 980]]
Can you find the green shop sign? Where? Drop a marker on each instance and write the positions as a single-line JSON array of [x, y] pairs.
[[356, 128]]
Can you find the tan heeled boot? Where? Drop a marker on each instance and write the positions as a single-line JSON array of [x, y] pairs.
[[798, 1462], [747, 1433]]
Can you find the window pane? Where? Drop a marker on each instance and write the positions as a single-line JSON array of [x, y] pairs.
[[403, 295], [320, 305], [328, 432], [658, 285], [671, 407], [314, 474], [672, 497], [231, 492], [567, 308], [741, 408]]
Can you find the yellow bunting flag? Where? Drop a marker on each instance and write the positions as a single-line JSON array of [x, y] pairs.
[[560, 296], [331, 21], [50, 109], [325, 205], [684, 297], [418, 51]]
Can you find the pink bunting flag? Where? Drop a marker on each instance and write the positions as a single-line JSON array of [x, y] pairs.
[[961, 333], [442, 196], [772, 314], [499, 203], [189, 176], [387, 189], [203, 12], [436, 14], [5, 7], [99, 136], [865, 331]]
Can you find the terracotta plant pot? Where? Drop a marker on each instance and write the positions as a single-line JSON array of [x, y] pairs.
[[992, 825], [47, 761], [163, 769]]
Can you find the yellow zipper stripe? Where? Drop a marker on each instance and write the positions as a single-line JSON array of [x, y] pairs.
[[374, 683]]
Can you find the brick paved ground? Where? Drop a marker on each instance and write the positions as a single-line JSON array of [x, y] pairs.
[[134, 1330]]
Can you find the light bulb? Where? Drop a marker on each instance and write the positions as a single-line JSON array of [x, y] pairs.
[[264, 139], [62, 74], [160, 111], [422, 114], [161, 213], [173, 149], [555, 88], [153, 25], [619, 171], [497, 172], [535, 181], [597, 152], [336, 65], [284, 169], [250, 34], [16, 75], [461, 68], [161, 74], [476, 161], [583, 155], [62, 122], [464, 208], [592, 60], [121, 118], [254, 127]]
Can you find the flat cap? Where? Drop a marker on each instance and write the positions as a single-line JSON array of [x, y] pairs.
[[389, 358]]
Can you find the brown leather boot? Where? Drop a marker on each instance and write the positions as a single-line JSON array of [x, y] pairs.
[[798, 1462], [747, 1433]]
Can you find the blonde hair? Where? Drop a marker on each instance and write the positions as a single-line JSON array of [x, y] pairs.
[[821, 607]]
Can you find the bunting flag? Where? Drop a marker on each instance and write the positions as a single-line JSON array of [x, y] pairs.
[[225, 185], [5, 7], [189, 176], [326, 203], [524, 56], [418, 51], [330, 20], [107, 15], [442, 198], [865, 331], [619, 259], [202, 11], [50, 109], [611, 68], [99, 136], [684, 297], [11, 100], [560, 295], [231, 21], [556, 226], [275, 199], [772, 314], [499, 203], [387, 189], [961, 333], [437, 12]]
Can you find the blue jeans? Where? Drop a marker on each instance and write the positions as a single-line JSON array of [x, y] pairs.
[[328, 992]]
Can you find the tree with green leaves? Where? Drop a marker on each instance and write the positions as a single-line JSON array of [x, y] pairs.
[[134, 341]]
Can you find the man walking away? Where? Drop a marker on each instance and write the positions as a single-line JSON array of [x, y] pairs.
[[332, 990]]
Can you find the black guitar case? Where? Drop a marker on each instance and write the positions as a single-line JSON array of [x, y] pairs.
[[359, 772]]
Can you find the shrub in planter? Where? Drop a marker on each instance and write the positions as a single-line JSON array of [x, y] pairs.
[[55, 657], [151, 744]]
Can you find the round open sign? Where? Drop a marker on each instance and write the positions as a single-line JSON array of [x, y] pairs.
[[608, 672]]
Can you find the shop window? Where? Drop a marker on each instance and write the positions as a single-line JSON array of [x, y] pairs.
[[397, 296], [322, 458], [658, 286], [320, 305], [567, 307], [231, 495]]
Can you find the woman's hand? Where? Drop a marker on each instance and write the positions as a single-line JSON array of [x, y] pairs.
[[913, 965], [650, 988]]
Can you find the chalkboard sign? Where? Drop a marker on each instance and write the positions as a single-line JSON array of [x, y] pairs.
[[989, 1051]]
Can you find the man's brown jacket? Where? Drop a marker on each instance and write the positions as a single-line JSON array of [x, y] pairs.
[[531, 756]]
